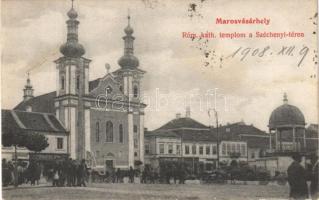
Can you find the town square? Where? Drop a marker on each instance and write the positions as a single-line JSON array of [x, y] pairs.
[[115, 100]]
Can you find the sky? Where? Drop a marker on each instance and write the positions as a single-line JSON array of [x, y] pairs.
[[179, 73]]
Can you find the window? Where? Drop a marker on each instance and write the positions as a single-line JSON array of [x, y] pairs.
[[161, 148], [238, 148], [252, 154], [170, 149], [186, 149], [214, 150], [135, 154], [135, 143], [233, 147], [243, 149], [109, 132], [77, 82], [62, 83], [121, 88], [228, 149], [135, 91], [97, 155], [207, 150], [121, 135], [178, 149], [194, 149], [108, 90], [224, 149], [59, 143], [147, 149], [201, 150], [227, 130], [97, 132], [135, 129]]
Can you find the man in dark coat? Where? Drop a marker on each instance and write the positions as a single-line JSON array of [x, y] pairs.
[[131, 174], [118, 175], [68, 172], [314, 177], [297, 179], [81, 173]]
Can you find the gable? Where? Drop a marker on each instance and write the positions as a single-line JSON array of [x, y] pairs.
[[108, 82]]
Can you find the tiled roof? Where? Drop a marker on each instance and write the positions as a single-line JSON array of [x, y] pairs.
[[256, 142], [93, 84], [186, 135], [14, 120], [170, 134], [183, 122], [8, 123], [45, 103], [233, 131], [197, 135]]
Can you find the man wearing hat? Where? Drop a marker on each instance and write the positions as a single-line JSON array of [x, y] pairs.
[[297, 179]]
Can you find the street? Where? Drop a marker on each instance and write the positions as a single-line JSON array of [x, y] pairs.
[[148, 191]]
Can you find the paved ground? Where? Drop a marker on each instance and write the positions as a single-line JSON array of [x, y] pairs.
[[147, 192]]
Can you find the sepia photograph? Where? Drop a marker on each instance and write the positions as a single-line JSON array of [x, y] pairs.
[[159, 99]]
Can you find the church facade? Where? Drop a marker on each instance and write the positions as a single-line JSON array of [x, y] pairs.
[[104, 117]]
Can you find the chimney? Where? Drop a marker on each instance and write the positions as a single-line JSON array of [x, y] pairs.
[[188, 112], [178, 115]]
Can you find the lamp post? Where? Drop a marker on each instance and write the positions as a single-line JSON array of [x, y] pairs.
[[217, 133]]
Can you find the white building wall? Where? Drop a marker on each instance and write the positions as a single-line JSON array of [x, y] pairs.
[[87, 131], [53, 147]]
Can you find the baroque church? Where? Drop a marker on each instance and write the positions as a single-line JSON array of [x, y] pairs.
[[104, 117]]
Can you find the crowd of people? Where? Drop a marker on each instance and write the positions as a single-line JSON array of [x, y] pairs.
[[71, 172], [68, 173], [24, 174], [61, 173]]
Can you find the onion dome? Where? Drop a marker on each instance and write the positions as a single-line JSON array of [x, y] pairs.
[[128, 30], [128, 60], [72, 13], [72, 48], [286, 115]]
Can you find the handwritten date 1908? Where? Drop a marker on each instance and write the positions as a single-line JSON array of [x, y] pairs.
[[243, 53]]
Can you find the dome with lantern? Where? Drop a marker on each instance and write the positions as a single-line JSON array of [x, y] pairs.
[[286, 115]]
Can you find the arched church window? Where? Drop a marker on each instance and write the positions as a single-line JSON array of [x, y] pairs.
[[121, 134], [135, 91], [62, 82], [109, 132], [78, 82], [135, 129], [97, 132]]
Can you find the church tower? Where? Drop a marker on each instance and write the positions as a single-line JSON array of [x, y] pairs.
[[28, 90], [130, 77], [72, 89]]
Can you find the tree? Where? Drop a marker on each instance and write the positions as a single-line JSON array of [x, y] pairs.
[[36, 142]]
